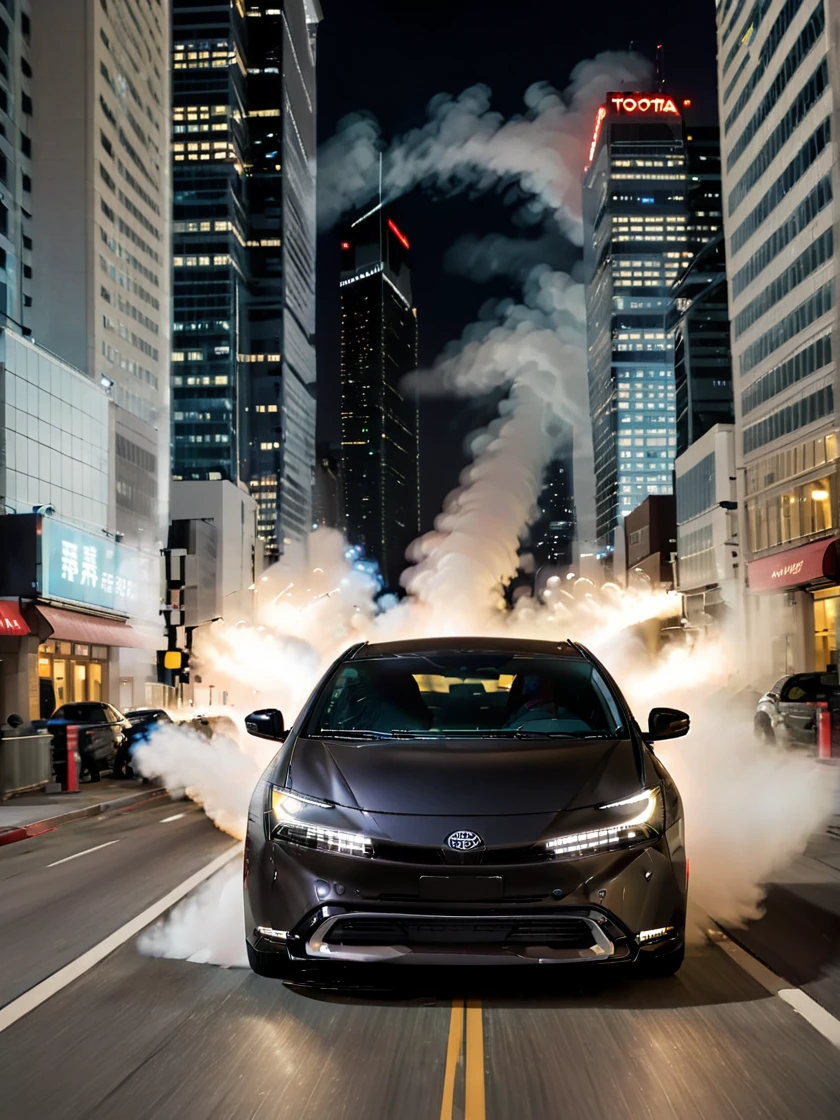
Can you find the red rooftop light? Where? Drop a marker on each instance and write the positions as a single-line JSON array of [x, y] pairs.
[[345, 244], [400, 236], [687, 103]]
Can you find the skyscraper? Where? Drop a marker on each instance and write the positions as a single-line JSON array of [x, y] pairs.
[[100, 202], [16, 172], [778, 109], [636, 243], [379, 418], [244, 253]]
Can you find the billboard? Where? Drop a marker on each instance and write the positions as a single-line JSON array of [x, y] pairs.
[[97, 571]]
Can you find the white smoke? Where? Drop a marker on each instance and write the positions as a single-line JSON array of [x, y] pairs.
[[208, 927], [465, 146]]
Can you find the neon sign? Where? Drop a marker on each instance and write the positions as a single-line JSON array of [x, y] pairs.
[[643, 103], [599, 120], [400, 236]]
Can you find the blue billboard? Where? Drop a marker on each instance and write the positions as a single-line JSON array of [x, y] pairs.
[[98, 572]]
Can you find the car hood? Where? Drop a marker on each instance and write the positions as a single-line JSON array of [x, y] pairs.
[[487, 777]]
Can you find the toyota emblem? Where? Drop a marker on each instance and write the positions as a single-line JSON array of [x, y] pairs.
[[464, 841]]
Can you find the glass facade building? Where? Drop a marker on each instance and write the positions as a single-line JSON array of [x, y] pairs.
[[243, 385], [379, 418], [637, 241]]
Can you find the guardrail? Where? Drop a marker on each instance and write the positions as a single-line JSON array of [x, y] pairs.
[[25, 760]]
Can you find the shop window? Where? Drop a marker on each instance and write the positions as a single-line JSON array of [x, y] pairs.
[[825, 629]]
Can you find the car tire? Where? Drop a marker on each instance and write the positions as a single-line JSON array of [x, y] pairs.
[[274, 966], [764, 729], [666, 965]]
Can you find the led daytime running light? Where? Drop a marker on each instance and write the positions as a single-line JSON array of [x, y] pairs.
[[327, 839], [592, 839]]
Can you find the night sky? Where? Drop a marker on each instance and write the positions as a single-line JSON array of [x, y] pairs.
[[391, 57]]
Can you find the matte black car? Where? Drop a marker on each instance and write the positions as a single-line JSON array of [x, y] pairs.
[[102, 732], [464, 802], [787, 712]]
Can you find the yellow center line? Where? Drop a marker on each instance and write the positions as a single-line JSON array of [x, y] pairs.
[[453, 1054], [474, 1107]]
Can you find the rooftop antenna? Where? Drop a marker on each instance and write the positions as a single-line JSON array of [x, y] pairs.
[[660, 66]]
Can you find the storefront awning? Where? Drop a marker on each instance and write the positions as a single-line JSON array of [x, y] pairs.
[[12, 622], [75, 627], [795, 567]]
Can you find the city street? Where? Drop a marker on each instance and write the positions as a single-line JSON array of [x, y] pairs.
[[139, 1037]]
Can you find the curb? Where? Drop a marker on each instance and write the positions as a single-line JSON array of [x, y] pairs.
[[37, 828]]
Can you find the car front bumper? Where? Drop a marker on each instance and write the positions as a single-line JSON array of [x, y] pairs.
[[313, 907]]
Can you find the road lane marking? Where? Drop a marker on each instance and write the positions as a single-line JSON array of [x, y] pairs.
[[53, 984], [813, 1012], [474, 1103], [86, 852], [453, 1056], [176, 817]]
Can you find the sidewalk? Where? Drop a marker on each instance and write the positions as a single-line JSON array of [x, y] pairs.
[[799, 935], [32, 813]]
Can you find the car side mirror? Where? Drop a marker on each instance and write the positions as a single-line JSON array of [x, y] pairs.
[[667, 723], [267, 723]]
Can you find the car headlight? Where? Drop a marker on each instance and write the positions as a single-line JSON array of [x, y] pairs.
[[638, 818], [287, 807]]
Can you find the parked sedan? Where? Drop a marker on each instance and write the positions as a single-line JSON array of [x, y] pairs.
[[787, 712], [143, 722], [102, 732]]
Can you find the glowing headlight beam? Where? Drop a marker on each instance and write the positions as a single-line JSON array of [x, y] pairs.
[[287, 805]]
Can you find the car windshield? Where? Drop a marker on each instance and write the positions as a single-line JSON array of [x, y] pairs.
[[82, 712], [463, 694]]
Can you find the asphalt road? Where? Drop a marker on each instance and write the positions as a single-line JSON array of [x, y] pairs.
[[138, 1037]]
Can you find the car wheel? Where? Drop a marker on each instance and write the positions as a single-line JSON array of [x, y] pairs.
[[275, 966], [764, 729], [666, 965]]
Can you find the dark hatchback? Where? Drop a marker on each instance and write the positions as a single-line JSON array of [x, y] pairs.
[[102, 733], [464, 802]]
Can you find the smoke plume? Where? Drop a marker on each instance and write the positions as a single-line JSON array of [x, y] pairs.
[[465, 146]]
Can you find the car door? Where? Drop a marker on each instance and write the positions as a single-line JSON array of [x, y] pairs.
[[798, 707]]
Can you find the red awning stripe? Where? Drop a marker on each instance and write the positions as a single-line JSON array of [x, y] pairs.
[[12, 622], [74, 627]]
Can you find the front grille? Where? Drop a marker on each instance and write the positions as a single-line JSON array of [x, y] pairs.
[[552, 932], [417, 854]]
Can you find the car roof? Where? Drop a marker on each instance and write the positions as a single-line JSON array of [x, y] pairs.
[[420, 646]]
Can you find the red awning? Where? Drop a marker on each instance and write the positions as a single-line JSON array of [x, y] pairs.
[[795, 567], [12, 622], [92, 631]]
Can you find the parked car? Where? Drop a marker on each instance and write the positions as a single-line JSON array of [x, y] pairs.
[[143, 721], [787, 712], [102, 732], [212, 725], [460, 802]]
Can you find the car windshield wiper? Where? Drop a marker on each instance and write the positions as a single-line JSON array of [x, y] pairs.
[[523, 734], [339, 733]]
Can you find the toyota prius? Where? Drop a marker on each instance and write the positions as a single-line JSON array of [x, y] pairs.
[[462, 802]]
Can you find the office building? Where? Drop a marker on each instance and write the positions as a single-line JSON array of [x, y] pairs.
[[702, 362], [16, 166], [776, 65], [707, 527], [699, 314], [551, 537], [650, 540], [243, 386], [100, 227], [636, 243], [379, 417]]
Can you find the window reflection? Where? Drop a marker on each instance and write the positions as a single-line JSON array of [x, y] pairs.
[[796, 514]]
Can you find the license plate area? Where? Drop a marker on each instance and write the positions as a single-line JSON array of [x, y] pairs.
[[461, 888]]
